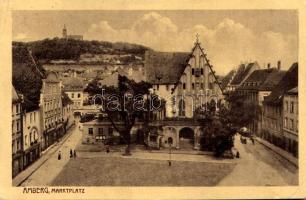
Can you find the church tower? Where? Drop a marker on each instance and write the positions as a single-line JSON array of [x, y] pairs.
[[64, 32]]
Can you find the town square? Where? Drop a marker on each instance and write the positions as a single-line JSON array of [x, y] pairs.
[[155, 98]]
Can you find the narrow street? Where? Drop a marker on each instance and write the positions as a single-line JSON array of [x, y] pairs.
[[45, 174], [258, 166]]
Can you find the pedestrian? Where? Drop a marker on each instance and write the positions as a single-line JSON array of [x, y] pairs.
[[74, 153], [237, 154], [107, 149], [59, 155], [253, 141], [71, 154]]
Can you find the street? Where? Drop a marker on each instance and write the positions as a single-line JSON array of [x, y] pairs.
[[46, 173], [258, 166]]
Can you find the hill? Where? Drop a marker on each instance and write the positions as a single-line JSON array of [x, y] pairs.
[[59, 48]]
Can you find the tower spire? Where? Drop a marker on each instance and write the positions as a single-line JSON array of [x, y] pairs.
[[64, 32]]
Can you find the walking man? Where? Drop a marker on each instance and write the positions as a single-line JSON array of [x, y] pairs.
[[71, 154], [59, 155]]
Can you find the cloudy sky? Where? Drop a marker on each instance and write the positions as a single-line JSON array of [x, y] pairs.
[[229, 37]]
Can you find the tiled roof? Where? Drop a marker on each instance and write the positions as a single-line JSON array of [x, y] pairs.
[[164, 67], [294, 90], [242, 72], [72, 83], [227, 79], [272, 80], [15, 97], [262, 79], [289, 81]]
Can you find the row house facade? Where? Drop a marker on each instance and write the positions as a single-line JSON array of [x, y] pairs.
[[74, 87], [17, 139], [51, 110], [255, 88], [31, 136], [280, 113], [291, 121]]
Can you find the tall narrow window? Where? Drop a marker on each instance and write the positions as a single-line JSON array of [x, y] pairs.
[[202, 71], [292, 107], [100, 131], [182, 108], [90, 131], [192, 71], [193, 86], [184, 86], [110, 131]]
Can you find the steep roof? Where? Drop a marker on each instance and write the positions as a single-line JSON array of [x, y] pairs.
[[165, 67], [262, 79], [242, 72], [294, 90], [73, 83], [227, 79], [289, 81], [15, 97], [272, 80]]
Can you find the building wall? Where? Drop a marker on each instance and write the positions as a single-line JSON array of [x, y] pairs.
[[17, 151], [16, 127], [197, 79], [291, 121], [31, 128], [32, 137], [77, 97], [94, 132], [68, 115], [51, 110]]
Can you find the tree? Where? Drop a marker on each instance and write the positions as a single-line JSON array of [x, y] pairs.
[[217, 132], [123, 105], [241, 111]]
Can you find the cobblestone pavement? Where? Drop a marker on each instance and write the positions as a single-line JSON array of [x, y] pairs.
[[159, 156], [258, 166], [45, 174]]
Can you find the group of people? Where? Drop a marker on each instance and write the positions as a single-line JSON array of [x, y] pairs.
[[72, 154]]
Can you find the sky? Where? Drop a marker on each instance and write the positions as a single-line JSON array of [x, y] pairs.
[[229, 37]]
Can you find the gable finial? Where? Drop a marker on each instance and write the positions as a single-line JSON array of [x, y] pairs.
[[197, 36]]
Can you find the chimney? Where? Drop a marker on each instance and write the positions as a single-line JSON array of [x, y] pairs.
[[279, 65], [269, 65]]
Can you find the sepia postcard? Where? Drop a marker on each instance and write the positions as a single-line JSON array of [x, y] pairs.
[[152, 100]]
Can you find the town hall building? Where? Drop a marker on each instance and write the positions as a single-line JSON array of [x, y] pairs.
[[185, 81]]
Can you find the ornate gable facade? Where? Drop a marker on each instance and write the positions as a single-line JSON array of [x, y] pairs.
[[185, 81]]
